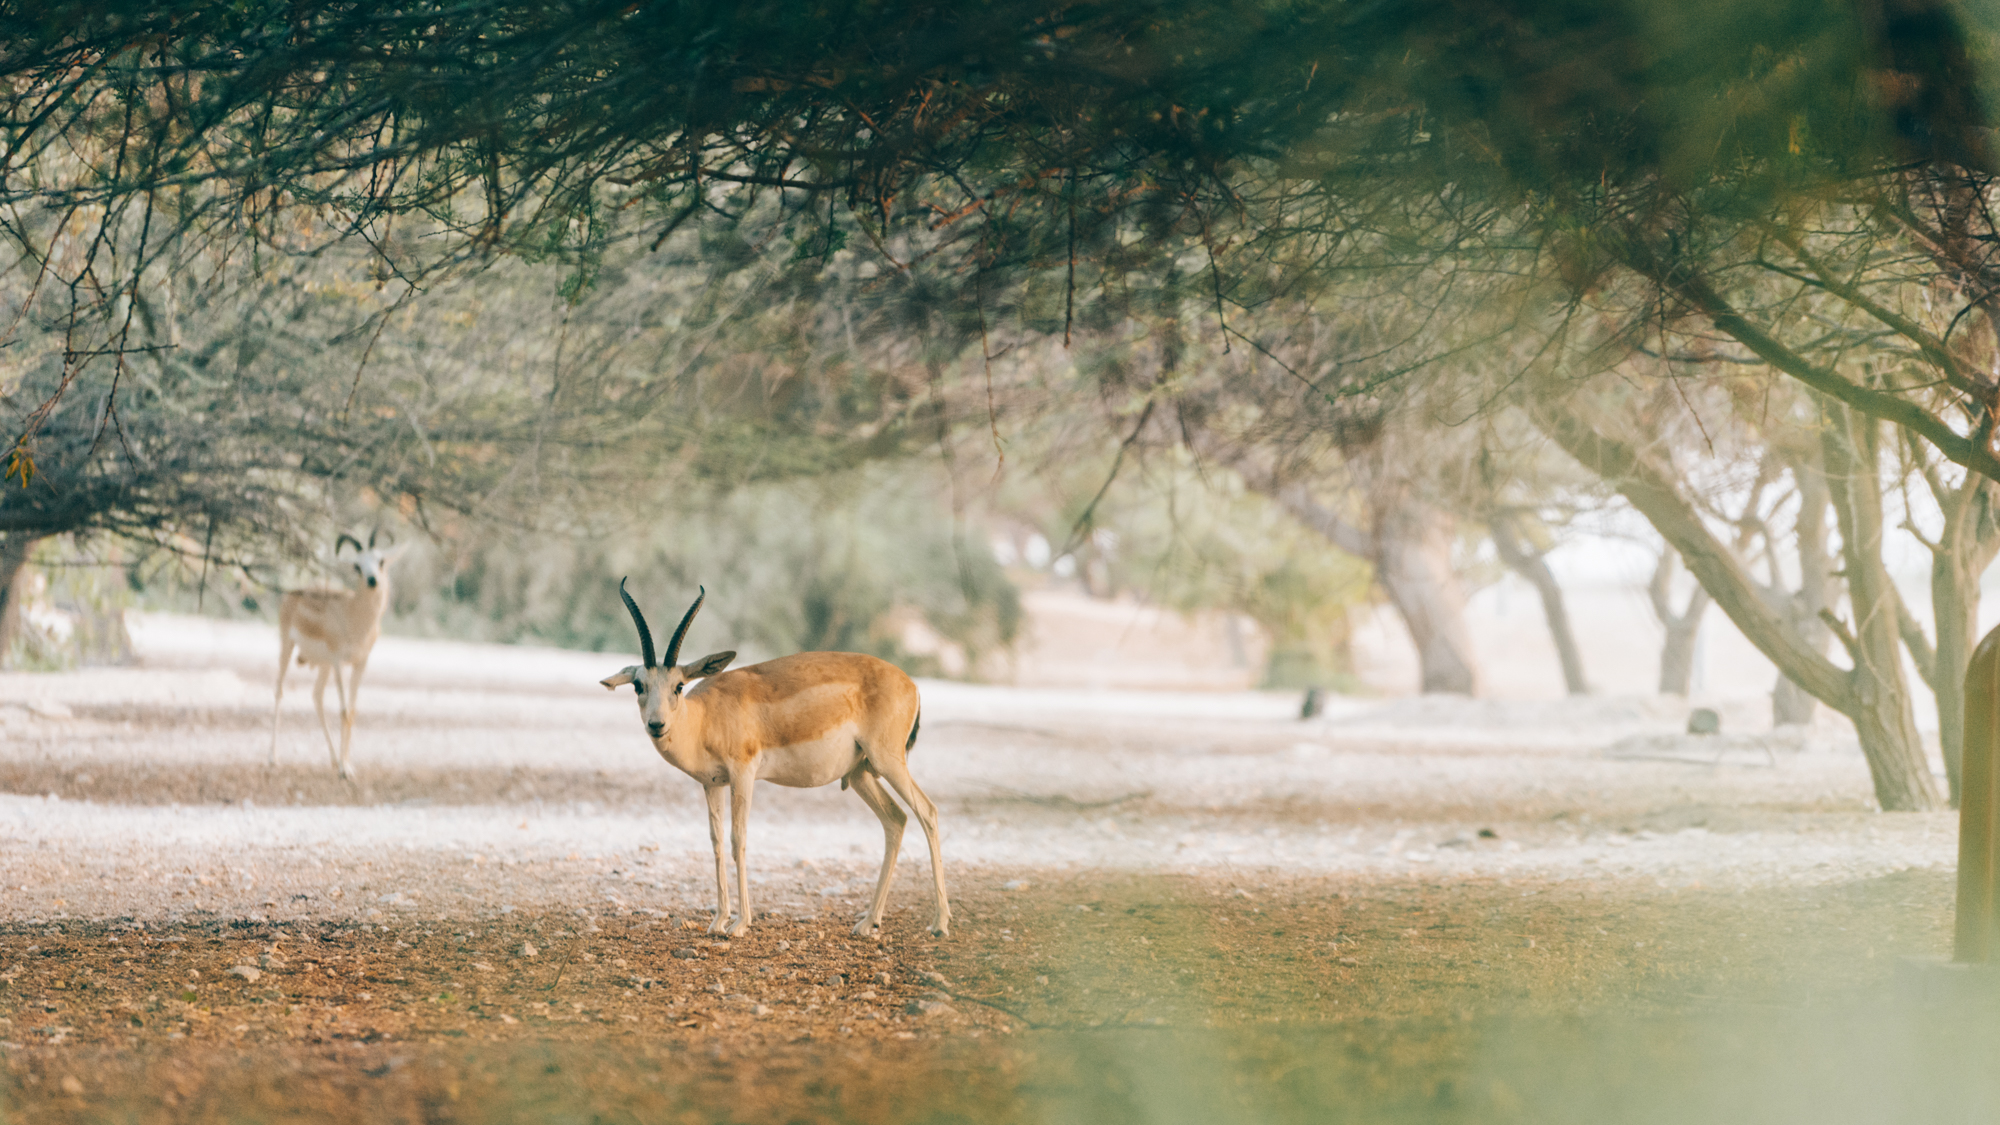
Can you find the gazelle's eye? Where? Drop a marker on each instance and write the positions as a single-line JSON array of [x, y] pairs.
[[678, 687], [639, 687]]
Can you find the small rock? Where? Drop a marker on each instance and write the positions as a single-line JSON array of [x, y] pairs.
[[929, 1008], [935, 994], [72, 1086], [834, 981], [1704, 720], [247, 972], [528, 949], [687, 953], [882, 978], [761, 1010], [1016, 885], [935, 978], [783, 945], [1488, 834], [865, 994], [719, 946], [482, 966]]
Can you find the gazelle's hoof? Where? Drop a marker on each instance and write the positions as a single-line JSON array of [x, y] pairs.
[[866, 928], [738, 929]]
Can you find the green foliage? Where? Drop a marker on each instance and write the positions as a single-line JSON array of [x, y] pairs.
[[76, 603], [835, 562]]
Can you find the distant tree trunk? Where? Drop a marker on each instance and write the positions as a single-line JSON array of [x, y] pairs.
[[15, 550], [1790, 703], [1683, 628], [1410, 547], [1966, 547], [1532, 565]]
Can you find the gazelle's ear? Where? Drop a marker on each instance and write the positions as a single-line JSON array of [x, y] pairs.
[[619, 679], [708, 665]]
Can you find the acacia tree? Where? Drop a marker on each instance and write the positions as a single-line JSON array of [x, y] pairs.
[[1871, 691]]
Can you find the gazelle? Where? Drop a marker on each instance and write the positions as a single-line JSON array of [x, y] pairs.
[[329, 628], [802, 720]]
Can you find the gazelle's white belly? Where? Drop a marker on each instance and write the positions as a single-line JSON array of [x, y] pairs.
[[821, 761]]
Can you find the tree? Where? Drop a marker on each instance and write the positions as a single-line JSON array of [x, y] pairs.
[[1682, 628], [1871, 692]]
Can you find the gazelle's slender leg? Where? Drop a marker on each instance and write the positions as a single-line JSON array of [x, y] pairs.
[[350, 699], [284, 664], [893, 821], [895, 770], [740, 790], [716, 794], [319, 708]]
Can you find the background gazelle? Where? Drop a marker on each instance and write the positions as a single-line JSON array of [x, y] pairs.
[[801, 720], [329, 628]]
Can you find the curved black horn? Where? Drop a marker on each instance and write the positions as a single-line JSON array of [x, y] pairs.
[[346, 538], [639, 619], [371, 539], [680, 634]]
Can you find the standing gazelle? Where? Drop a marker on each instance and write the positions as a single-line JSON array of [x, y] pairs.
[[802, 720], [330, 628]]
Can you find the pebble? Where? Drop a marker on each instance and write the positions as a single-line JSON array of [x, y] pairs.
[[247, 972], [528, 949], [687, 952], [933, 977], [929, 1008]]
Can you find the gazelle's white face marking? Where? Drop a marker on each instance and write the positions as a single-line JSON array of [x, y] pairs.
[[367, 566], [659, 691]]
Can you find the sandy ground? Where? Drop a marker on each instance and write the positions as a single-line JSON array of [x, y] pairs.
[[515, 893]]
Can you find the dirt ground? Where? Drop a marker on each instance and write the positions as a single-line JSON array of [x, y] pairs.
[[1168, 908]]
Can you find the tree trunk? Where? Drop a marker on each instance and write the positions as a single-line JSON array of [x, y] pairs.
[[1410, 547], [1683, 628], [1533, 566], [14, 552], [1977, 928], [1413, 564], [1872, 695], [1961, 555], [1790, 703], [1882, 712]]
